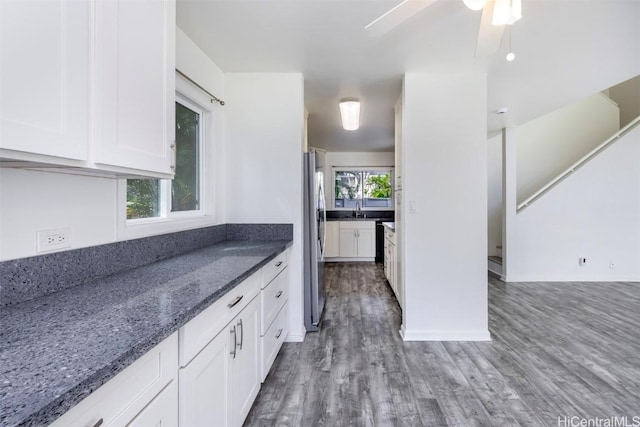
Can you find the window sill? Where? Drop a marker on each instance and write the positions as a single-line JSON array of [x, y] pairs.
[[132, 229]]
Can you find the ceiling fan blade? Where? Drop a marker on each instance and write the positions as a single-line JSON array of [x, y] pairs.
[[396, 16], [489, 36]]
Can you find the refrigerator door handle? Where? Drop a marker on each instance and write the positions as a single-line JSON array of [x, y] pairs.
[[324, 231]]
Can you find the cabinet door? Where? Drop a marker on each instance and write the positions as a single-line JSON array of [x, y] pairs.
[[204, 398], [135, 84], [162, 411], [348, 245], [392, 268], [367, 243], [44, 77], [245, 375], [332, 247]]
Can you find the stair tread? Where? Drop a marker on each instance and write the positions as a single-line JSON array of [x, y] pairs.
[[496, 259]]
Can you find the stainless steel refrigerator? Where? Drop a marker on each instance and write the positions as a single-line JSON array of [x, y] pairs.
[[315, 217]]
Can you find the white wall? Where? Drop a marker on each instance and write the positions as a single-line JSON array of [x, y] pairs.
[[550, 144], [595, 214], [445, 180], [627, 95], [31, 201], [265, 120], [547, 146], [34, 200], [494, 193], [355, 159]]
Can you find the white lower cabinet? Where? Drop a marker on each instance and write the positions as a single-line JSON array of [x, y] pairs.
[[390, 262], [357, 239], [218, 387], [162, 411], [130, 397], [274, 300], [206, 374], [332, 242], [245, 365], [205, 385]]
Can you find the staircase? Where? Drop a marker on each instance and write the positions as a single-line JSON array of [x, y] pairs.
[[495, 265], [594, 216]]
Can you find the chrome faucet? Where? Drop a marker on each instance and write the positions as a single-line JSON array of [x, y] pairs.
[[357, 211]]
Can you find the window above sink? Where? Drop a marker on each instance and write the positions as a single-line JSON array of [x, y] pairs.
[[369, 188]]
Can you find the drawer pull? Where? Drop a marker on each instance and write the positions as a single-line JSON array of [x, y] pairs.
[[279, 333], [279, 294], [98, 423], [235, 301], [279, 264]]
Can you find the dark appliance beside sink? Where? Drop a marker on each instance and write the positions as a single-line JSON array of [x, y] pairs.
[[367, 215]]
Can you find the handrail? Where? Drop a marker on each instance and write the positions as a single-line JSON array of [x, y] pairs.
[[555, 181]]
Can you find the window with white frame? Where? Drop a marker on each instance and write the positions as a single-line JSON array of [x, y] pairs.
[[181, 197], [368, 188]]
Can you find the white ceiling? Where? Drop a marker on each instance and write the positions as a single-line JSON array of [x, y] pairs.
[[566, 50]]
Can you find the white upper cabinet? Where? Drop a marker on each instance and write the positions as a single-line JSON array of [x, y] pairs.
[[135, 84], [44, 77], [88, 84]]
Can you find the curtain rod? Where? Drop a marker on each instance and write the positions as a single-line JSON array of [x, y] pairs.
[[213, 97]]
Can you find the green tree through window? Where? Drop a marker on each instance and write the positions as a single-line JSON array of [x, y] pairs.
[[144, 196]]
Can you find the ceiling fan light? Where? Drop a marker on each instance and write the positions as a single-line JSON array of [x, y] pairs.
[[475, 4], [506, 12], [350, 113]]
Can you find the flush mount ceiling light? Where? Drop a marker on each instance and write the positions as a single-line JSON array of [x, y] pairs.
[[350, 113], [475, 4], [506, 12]]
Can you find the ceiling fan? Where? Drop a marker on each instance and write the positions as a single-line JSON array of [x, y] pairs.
[[496, 15]]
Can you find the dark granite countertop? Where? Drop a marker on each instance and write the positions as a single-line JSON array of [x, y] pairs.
[[58, 348], [357, 219]]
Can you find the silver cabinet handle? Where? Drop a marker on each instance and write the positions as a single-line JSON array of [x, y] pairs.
[[173, 157], [235, 342], [279, 294], [235, 301], [98, 423], [241, 333], [279, 264], [279, 333]]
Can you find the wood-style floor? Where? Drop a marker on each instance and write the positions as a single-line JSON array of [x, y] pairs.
[[558, 350]]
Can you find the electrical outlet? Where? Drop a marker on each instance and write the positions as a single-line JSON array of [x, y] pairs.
[[52, 240]]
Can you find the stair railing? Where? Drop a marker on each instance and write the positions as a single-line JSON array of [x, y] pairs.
[[577, 165]]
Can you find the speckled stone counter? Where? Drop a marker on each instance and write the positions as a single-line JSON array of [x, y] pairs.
[[58, 348]]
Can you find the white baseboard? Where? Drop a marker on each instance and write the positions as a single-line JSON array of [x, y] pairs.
[[480, 335], [552, 278], [294, 338]]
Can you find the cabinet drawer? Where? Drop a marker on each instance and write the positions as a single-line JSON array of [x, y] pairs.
[[390, 236], [198, 332], [272, 341], [124, 396], [360, 225], [274, 267], [272, 298]]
